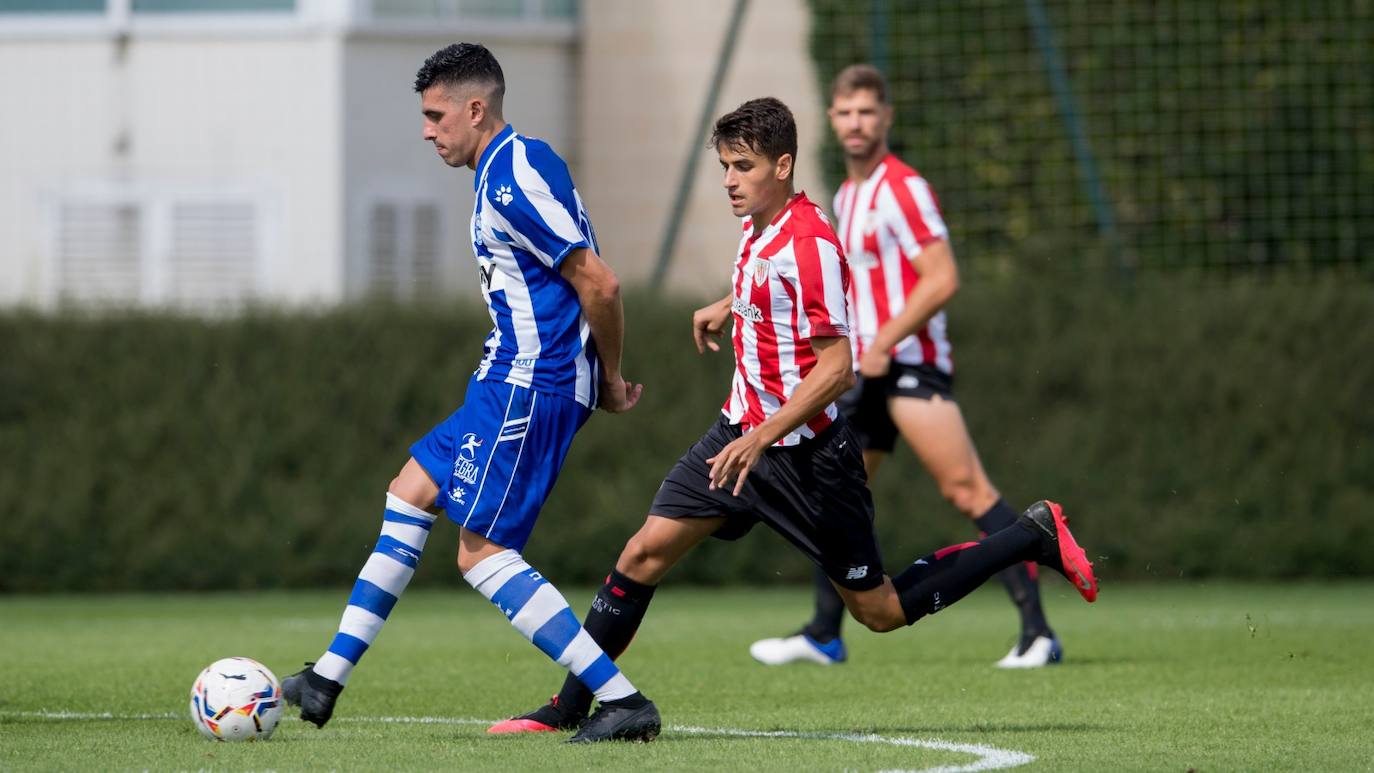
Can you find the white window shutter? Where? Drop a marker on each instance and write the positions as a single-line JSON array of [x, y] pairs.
[[212, 253], [99, 252]]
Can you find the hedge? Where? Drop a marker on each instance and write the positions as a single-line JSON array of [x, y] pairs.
[[1191, 430]]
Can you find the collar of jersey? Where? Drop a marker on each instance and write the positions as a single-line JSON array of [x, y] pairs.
[[779, 219], [499, 141], [880, 169]]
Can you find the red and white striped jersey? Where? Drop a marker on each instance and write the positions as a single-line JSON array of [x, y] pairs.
[[885, 221], [789, 286]]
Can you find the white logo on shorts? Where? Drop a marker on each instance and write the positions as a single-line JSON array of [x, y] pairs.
[[856, 573], [908, 381], [464, 468]]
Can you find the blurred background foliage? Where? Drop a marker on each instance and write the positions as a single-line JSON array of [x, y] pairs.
[[1195, 431], [1228, 138]]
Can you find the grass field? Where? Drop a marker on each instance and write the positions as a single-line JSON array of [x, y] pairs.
[[1157, 677]]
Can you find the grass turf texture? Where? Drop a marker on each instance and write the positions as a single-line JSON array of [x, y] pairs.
[[1158, 677]]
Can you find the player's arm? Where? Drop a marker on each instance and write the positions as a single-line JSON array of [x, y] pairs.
[[831, 376], [708, 324], [939, 282], [598, 290]]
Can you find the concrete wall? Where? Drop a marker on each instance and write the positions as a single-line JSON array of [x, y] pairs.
[[644, 76]]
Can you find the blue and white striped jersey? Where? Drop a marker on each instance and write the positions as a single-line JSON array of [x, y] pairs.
[[526, 218]]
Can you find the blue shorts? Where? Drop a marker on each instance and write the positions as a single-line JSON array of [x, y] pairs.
[[497, 457]]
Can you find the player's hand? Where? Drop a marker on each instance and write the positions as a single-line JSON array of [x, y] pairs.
[[734, 463], [875, 363], [708, 325], [618, 395]]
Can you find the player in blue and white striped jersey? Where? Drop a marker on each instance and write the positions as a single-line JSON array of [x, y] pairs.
[[553, 355]]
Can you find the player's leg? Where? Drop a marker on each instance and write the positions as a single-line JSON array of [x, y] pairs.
[[934, 427], [405, 529], [616, 613], [538, 611], [509, 456], [685, 511], [942, 578], [864, 406]]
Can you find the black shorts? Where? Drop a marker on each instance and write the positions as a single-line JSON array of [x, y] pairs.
[[865, 405], [814, 494]]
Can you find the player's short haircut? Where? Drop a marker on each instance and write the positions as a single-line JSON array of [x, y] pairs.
[[859, 77], [764, 126], [463, 64]]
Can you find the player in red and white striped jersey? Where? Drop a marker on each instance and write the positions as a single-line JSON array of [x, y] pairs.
[[902, 275], [780, 453], [789, 288]]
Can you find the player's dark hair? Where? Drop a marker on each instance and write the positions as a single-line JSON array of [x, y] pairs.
[[860, 77], [763, 125], [463, 64]]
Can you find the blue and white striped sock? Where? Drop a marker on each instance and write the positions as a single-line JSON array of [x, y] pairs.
[[384, 577], [540, 612]]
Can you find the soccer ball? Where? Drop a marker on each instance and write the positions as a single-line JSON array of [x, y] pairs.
[[236, 699]]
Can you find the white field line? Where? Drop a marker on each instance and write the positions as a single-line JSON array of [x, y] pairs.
[[988, 757]]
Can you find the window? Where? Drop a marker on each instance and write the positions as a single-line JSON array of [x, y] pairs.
[[157, 248], [99, 250], [213, 249], [213, 6], [403, 249], [52, 6], [529, 10]]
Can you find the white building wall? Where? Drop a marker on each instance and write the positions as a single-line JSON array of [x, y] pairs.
[[387, 161], [644, 76], [184, 114]]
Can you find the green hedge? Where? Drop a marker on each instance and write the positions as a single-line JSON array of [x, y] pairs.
[[1192, 430]]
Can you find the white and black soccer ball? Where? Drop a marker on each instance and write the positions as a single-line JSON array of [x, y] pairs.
[[236, 699]]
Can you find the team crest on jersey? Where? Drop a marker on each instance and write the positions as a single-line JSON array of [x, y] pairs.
[[760, 272], [502, 195]]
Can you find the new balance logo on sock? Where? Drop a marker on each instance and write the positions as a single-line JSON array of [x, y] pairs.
[[856, 573]]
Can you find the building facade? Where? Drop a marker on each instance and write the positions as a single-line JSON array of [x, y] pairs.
[[206, 155]]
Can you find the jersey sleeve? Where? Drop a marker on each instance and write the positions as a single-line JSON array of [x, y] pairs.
[[914, 214], [543, 211], [822, 288]]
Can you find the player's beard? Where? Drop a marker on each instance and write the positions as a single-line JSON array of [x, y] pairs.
[[870, 149]]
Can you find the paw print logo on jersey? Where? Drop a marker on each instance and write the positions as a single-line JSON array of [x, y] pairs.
[[503, 195]]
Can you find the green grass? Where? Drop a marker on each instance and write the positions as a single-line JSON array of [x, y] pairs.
[[1158, 677]]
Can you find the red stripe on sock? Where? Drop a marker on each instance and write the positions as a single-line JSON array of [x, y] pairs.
[[942, 552], [1033, 569]]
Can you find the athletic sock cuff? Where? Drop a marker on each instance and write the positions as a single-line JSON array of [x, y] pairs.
[[997, 518], [490, 567], [398, 505], [634, 591]]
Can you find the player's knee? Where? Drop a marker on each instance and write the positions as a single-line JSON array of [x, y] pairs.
[[639, 554]]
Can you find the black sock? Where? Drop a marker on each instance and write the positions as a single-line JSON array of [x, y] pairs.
[[633, 701], [825, 623], [945, 576], [615, 615], [1020, 580]]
